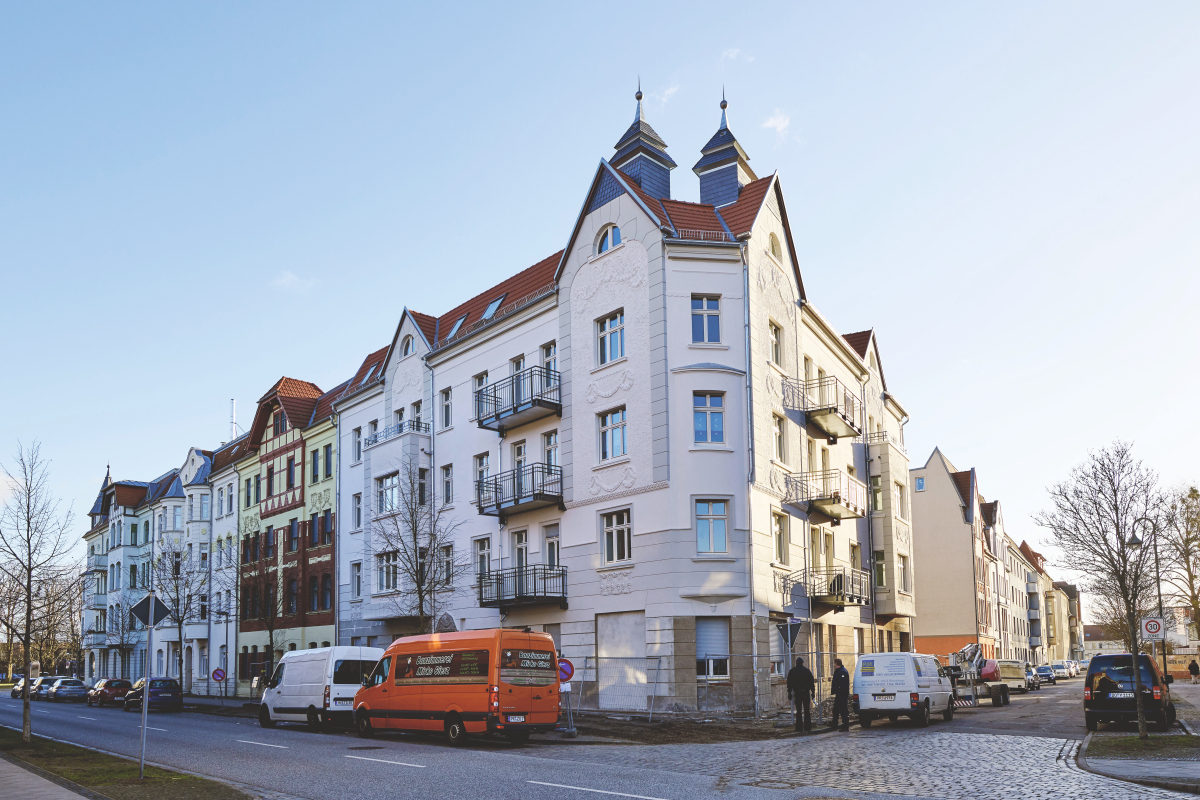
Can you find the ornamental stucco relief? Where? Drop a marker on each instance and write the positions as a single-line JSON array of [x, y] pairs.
[[624, 480], [408, 379], [616, 582], [622, 267], [609, 385]]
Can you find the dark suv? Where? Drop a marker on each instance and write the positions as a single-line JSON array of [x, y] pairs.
[[1109, 691]]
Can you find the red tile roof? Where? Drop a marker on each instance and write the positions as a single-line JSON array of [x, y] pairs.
[[692, 216], [297, 398], [224, 456], [859, 342], [962, 482], [129, 496], [367, 371], [324, 407], [652, 203], [740, 216], [426, 323], [524, 283]]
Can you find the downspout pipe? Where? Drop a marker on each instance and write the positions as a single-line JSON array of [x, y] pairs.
[[870, 512], [750, 471]]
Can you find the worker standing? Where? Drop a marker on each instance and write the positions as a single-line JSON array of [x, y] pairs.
[[1194, 670], [801, 685], [841, 695]]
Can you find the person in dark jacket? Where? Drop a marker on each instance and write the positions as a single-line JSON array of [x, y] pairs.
[[1194, 670], [801, 685], [841, 695]]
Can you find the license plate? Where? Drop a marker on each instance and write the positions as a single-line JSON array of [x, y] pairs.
[[516, 719], [344, 702], [1120, 694], [884, 696]]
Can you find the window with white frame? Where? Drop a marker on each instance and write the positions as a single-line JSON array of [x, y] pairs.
[[706, 319], [776, 334], [416, 413], [876, 493], [447, 565], [612, 434], [902, 576], [481, 381], [711, 526], [388, 568], [610, 237], [550, 356], [779, 425], [482, 466], [611, 337], [406, 346], [483, 556], [220, 502], [550, 448], [447, 484], [551, 549], [900, 496], [447, 409], [389, 493], [780, 536], [708, 417], [356, 437], [712, 648], [356, 511], [618, 536]]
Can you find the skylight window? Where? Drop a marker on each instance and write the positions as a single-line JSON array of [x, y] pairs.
[[457, 325], [492, 306]]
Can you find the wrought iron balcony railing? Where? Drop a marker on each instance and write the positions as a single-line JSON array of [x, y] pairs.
[[531, 585], [530, 394], [884, 437], [830, 491], [842, 586], [525, 488], [827, 403], [392, 431]]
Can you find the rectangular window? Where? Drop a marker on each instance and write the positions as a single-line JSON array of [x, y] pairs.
[[416, 413], [316, 466], [220, 502], [258, 488], [483, 556], [327, 527], [481, 467], [781, 537], [356, 511], [447, 565], [611, 333], [388, 568], [447, 409], [901, 498], [708, 416], [550, 448], [270, 481], [776, 333], [389, 493], [902, 576], [920, 484], [711, 522], [293, 535], [328, 461], [205, 510], [447, 484], [618, 537], [178, 518], [550, 356], [612, 434], [876, 493], [879, 571], [356, 440], [712, 648], [291, 473], [248, 495], [422, 486], [356, 579], [191, 508], [808, 368], [552, 551], [780, 430], [314, 530], [706, 319], [481, 382]]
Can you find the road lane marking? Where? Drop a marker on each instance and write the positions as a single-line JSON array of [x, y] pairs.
[[263, 744], [385, 761], [597, 791], [164, 730], [93, 719]]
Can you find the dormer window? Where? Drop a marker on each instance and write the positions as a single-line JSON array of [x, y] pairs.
[[406, 346], [457, 325], [492, 306], [280, 422], [610, 237]]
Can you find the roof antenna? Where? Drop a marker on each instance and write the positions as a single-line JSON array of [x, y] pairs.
[[232, 419]]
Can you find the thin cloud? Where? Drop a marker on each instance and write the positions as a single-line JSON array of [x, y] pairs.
[[289, 281], [666, 94], [779, 123], [734, 53]]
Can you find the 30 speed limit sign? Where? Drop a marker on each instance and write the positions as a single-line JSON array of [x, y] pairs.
[[1153, 628]]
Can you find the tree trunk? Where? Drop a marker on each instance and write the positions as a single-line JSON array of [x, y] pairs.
[[1137, 682]]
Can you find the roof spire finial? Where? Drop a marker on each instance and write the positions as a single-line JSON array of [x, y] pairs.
[[724, 105], [639, 115]]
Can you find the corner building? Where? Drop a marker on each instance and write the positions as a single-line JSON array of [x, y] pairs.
[[655, 449]]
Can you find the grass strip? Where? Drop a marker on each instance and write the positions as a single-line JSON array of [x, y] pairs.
[[1133, 747], [112, 776]]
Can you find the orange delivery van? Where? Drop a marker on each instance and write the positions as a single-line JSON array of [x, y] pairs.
[[497, 681]]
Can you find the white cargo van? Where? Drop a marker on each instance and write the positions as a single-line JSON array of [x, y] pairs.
[[895, 685], [316, 686]]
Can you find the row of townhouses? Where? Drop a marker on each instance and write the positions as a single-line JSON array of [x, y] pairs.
[[650, 444]]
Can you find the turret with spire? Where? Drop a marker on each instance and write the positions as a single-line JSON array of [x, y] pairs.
[[642, 154], [723, 169]]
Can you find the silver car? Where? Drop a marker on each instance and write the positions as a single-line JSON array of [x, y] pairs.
[[65, 689]]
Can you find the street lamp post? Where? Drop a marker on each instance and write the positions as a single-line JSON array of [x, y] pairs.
[[1135, 542]]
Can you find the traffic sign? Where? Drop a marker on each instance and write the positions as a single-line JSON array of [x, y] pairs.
[[565, 670], [1153, 628], [218, 674], [141, 610]]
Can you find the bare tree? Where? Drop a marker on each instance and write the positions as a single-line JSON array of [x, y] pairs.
[[263, 595], [57, 638], [1093, 519], [1110, 615], [181, 583], [412, 538], [1180, 540], [122, 632], [34, 550]]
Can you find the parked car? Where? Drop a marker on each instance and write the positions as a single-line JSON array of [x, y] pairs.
[[1061, 670], [18, 687], [67, 689], [893, 685], [1110, 691], [109, 690], [165, 693], [1013, 674], [316, 686], [1033, 681], [42, 685], [1047, 674]]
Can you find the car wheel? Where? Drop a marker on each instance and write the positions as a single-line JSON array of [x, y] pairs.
[[864, 720], [923, 716], [313, 719], [362, 724], [1090, 722], [126, 707], [264, 717], [456, 731], [948, 714]]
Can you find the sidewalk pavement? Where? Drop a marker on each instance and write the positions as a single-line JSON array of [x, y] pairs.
[[18, 781]]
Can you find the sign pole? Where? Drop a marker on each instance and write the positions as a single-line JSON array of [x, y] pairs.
[[146, 684]]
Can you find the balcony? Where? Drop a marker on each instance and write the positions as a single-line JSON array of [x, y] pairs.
[[95, 639], [1035, 641], [524, 586], [519, 399], [837, 586], [1035, 613], [392, 431], [827, 403], [97, 562], [883, 437], [97, 600], [522, 489], [831, 492]]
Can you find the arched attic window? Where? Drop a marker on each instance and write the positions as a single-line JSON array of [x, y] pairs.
[[776, 250], [609, 237], [406, 346]]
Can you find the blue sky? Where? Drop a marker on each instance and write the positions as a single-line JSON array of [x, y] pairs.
[[197, 199]]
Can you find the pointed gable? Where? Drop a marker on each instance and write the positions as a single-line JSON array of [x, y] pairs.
[[296, 397], [427, 325]]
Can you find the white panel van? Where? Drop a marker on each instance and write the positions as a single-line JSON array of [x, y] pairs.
[[316, 686], [895, 685]]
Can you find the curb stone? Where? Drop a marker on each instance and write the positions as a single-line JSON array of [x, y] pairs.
[[1175, 786]]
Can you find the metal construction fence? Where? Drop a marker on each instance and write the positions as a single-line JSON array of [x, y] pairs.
[[721, 683]]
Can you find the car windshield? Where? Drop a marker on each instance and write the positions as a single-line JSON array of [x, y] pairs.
[[163, 684], [117, 685], [351, 671], [1115, 673], [70, 683]]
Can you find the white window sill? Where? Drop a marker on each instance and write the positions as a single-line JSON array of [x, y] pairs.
[[707, 346], [777, 368], [357, 600], [781, 465], [781, 567], [356, 463], [612, 462], [620, 360], [448, 507], [699, 447], [615, 565], [723, 557], [444, 430], [357, 530]]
